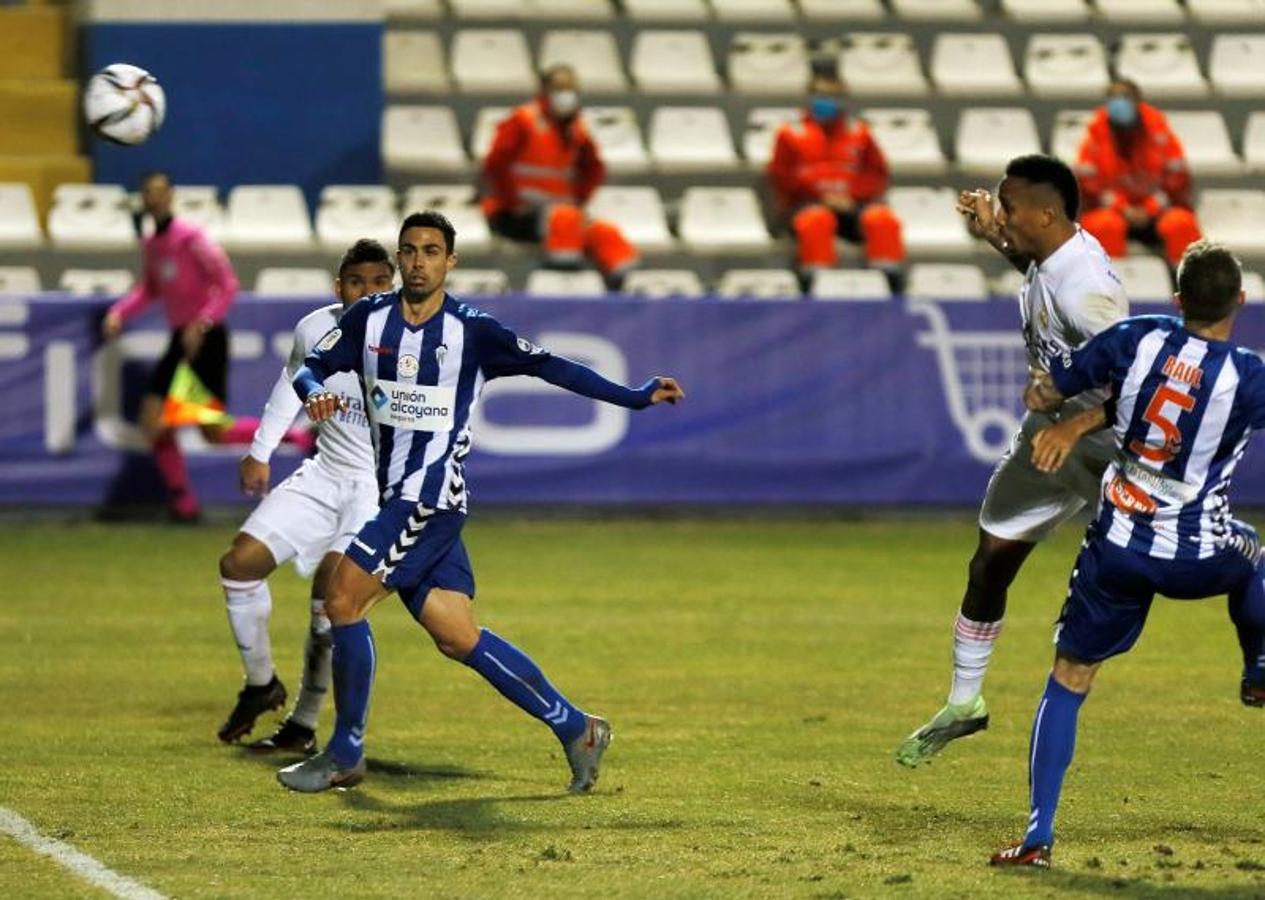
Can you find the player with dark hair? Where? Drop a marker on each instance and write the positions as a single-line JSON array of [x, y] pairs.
[[1069, 294], [310, 518], [423, 359], [1183, 402]]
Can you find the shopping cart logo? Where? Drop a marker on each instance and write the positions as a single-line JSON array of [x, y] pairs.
[[983, 374]]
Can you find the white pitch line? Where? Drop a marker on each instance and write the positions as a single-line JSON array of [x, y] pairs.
[[79, 863]]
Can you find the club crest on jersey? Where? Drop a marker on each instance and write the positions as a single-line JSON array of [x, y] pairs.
[[528, 347], [327, 342], [407, 366]]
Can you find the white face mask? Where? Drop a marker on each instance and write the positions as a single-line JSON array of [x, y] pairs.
[[564, 103]]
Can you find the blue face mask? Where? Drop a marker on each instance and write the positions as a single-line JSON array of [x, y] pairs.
[[824, 108], [1122, 111]]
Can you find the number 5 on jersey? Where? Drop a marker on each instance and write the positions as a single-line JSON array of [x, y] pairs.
[[1155, 415]]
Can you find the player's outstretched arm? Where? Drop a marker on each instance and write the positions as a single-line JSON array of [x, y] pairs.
[[579, 379], [976, 207], [1052, 446]]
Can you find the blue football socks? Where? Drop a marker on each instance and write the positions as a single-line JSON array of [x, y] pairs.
[[1050, 753], [512, 672], [353, 665]]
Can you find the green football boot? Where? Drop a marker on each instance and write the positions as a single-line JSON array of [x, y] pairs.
[[952, 722]]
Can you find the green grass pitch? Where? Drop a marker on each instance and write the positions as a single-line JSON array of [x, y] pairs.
[[758, 674]]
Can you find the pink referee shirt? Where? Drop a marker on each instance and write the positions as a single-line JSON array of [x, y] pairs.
[[185, 271]]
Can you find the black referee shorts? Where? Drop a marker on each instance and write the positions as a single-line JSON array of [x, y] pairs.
[[210, 364]]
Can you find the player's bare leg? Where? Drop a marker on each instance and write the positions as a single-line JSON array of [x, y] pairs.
[[992, 570], [244, 568]]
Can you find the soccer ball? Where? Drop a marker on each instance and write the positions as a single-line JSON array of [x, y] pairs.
[[124, 104]]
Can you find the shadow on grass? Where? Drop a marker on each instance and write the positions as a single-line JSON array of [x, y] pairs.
[[380, 768], [1063, 881]]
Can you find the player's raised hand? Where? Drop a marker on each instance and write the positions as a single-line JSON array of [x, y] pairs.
[[253, 476], [667, 391], [976, 207], [111, 326], [322, 405]]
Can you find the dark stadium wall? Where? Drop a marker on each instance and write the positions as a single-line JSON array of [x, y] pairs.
[[251, 103]]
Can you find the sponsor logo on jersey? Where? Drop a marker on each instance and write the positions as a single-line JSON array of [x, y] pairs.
[[328, 342], [417, 407], [407, 366], [1129, 498], [380, 350], [440, 352], [528, 347]]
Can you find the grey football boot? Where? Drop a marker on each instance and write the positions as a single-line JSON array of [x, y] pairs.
[[584, 754], [320, 773]]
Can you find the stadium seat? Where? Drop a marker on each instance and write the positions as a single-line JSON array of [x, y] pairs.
[[1068, 132], [973, 65], [265, 217], [1066, 65], [350, 212], [413, 61], [1254, 143], [548, 283], [656, 284], [421, 139], [1233, 218], [1206, 140], [841, 10], [937, 10], [691, 138], [91, 217], [881, 64], [673, 62], [987, 138], [485, 9], [763, 123], [667, 10], [768, 64], [638, 211], [462, 282], [457, 202], [850, 284], [592, 53], [1046, 11], [282, 281], [1227, 12], [753, 10], [1145, 279], [200, 204], [567, 10], [492, 61], [1007, 284], [759, 284], [722, 220], [19, 280], [19, 222], [1237, 64], [1254, 287], [413, 10], [908, 139], [947, 281], [1141, 12], [485, 130], [930, 222], [1164, 65], [96, 282], [618, 137]]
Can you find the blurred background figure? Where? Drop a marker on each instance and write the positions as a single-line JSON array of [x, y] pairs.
[[540, 172], [1133, 177]]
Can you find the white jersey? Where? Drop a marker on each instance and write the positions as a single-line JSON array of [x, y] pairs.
[[342, 442]]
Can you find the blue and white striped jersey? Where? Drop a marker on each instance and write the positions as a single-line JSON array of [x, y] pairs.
[[1184, 408]]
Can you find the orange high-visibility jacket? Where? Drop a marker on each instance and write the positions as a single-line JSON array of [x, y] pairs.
[[534, 160], [810, 161], [1147, 169]]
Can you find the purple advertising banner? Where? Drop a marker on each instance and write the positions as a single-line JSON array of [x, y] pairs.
[[854, 403]]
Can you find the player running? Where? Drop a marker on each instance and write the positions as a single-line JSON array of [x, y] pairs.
[[310, 518], [1184, 402], [423, 359], [1069, 294]]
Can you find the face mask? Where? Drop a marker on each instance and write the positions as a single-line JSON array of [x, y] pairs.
[[564, 104], [825, 109], [1122, 111]]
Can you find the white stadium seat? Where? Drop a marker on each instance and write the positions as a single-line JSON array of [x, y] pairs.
[[987, 138], [1254, 143], [1141, 12], [413, 61], [841, 10], [485, 130], [673, 62], [638, 211], [15, 280], [1206, 140], [200, 204], [492, 61], [850, 284], [350, 212], [691, 138], [763, 123], [753, 10], [973, 65], [413, 10], [284, 281], [458, 204], [881, 64], [1237, 64], [1163, 65], [267, 218], [1066, 65], [947, 281], [1069, 132], [937, 10], [91, 217], [548, 283], [667, 10], [19, 221], [421, 139], [567, 10], [618, 138], [1006, 285], [1233, 218], [929, 221], [1254, 287], [908, 140], [764, 64], [656, 284], [759, 284], [1046, 11], [96, 282], [722, 220], [1145, 279], [1227, 12], [592, 53], [485, 9], [486, 282]]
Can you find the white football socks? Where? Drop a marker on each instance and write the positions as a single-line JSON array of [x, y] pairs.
[[249, 609], [972, 646], [317, 652]]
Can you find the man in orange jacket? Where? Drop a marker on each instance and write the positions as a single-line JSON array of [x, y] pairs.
[[1133, 177], [540, 172], [828, 173]]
